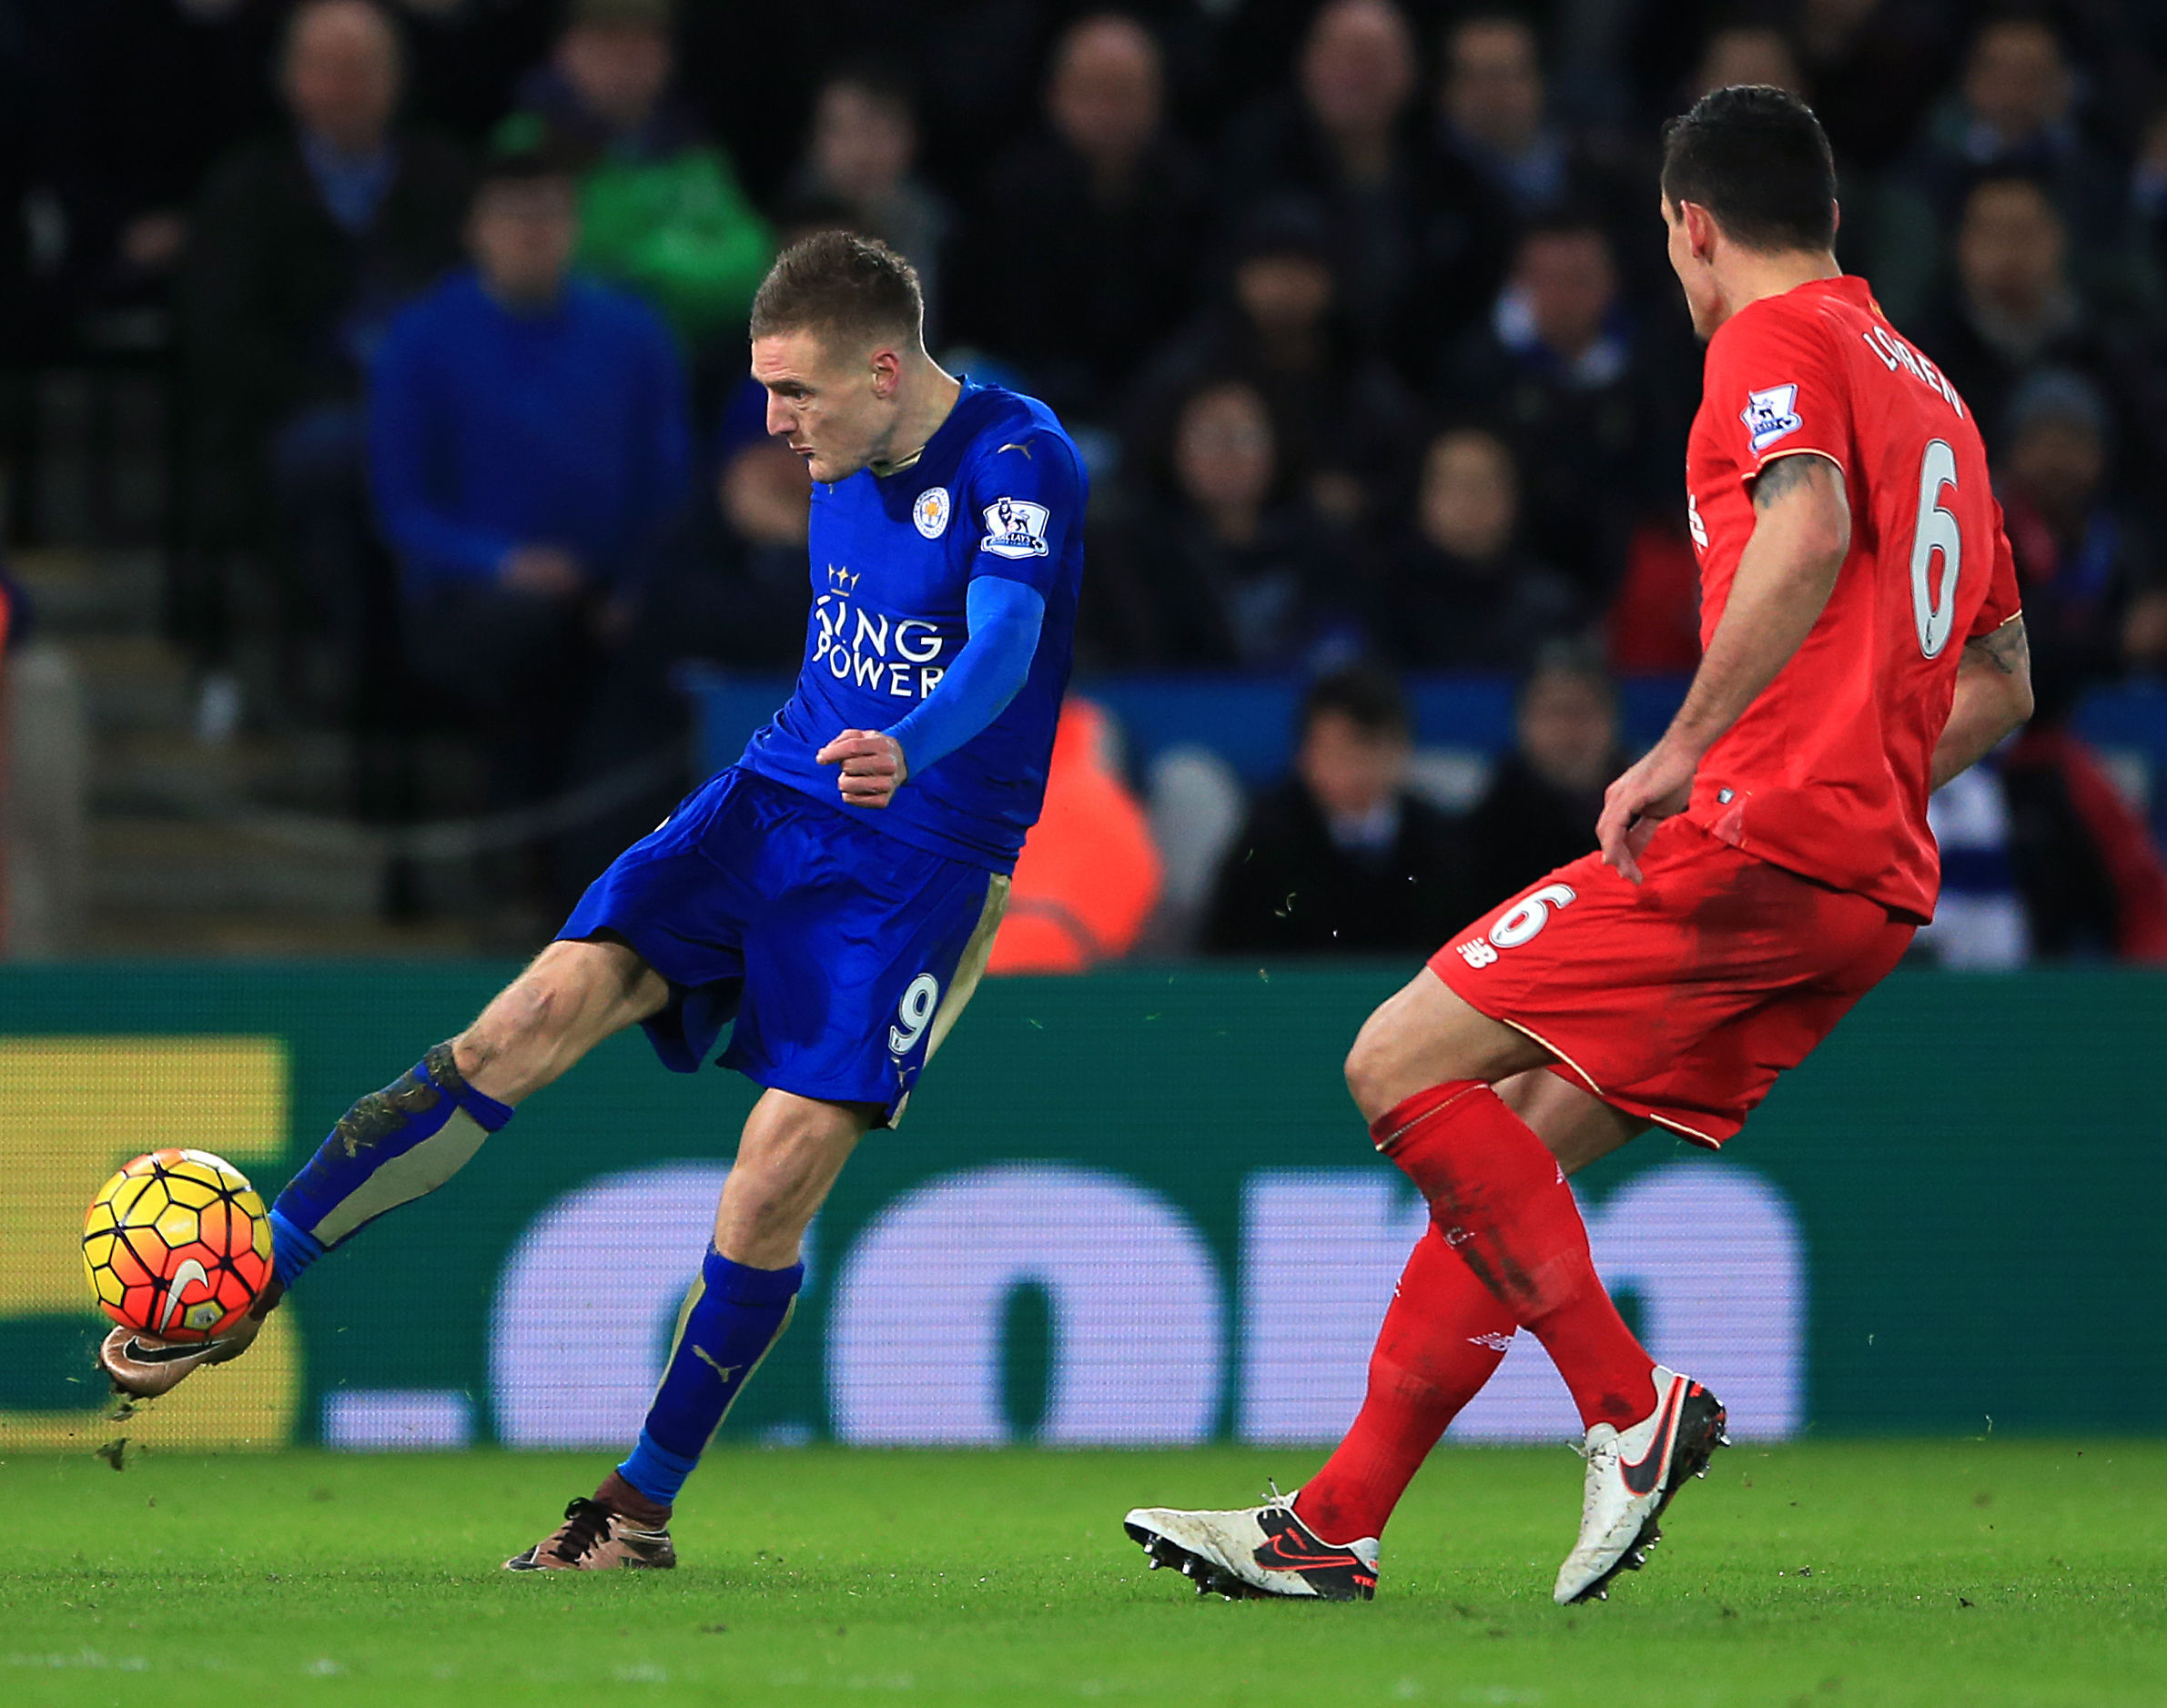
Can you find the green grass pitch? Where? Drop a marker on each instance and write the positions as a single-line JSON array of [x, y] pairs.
[[1929, 1573]]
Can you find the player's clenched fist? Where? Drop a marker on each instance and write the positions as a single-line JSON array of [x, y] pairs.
[[872, 766]]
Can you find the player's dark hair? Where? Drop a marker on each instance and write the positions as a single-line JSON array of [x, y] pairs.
[[1757, 158], [1368, 694], [842, 286]]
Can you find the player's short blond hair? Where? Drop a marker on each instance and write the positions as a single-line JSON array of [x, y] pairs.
[[843, 287]]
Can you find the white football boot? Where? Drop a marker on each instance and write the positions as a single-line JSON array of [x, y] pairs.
[[1631, 1477], [1255, 1550]]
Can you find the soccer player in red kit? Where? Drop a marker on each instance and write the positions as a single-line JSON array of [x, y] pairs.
[[1761, 869]]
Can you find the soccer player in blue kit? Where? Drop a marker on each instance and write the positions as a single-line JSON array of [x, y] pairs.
[[835, 891]]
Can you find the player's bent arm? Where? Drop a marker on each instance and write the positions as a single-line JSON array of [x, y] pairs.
[[1005, 619], [1993, 696], [1801, 535]]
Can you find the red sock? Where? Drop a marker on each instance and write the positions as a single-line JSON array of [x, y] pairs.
[[1502, 1201], [1443, 1337]]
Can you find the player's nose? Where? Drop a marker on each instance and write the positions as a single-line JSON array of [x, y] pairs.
[[778, 416]]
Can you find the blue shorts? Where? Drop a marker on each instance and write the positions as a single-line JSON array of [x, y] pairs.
[[844, 955]]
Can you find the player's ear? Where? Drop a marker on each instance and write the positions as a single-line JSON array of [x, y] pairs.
[[887, 371], [1701, 229]]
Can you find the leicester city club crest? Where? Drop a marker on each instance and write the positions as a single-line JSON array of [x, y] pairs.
[[931, 511]]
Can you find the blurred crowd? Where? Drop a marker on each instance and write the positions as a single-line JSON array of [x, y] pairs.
[[1359, 309]]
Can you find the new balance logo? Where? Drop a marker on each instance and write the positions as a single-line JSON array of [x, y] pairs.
[[1477, 952], [1497, 1342]]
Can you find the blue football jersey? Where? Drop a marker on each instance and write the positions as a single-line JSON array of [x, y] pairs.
[[999, 489]]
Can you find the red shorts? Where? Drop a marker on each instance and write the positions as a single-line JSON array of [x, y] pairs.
[[1681, 998]]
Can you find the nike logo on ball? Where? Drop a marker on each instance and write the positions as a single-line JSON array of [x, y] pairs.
[[189, 1271]]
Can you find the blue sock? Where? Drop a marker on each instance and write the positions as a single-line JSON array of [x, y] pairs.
[[736, 1314], [389, 1148]]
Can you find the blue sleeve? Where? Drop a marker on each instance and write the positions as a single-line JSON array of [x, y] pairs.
[[1005, 616], [404, 423], [1027, 499]]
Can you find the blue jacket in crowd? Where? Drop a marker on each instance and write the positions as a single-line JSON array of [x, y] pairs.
[[490, 429]]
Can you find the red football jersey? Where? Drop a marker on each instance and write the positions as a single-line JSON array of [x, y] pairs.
[[1827, 773]]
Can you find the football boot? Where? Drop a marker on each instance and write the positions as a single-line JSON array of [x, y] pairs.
[[141, 1366], [1256, 1551], [1630, 1476], [596, 1538]]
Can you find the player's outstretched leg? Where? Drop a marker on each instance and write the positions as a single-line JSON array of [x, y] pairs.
[[791, 1153], [398, 1144]]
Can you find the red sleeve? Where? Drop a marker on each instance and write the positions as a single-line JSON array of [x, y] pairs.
[[2004, 597], [1775, 387]]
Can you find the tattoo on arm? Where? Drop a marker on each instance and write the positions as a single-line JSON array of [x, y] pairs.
[[1787, 473], [2007, 649]]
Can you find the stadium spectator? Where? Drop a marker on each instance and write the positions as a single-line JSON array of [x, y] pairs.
[[1227, 570], [1459, 593], [303, 249], [660, 207], [1588, 399], [2148, 205], [2095, 597], [466, 58], [1978, 923], [1114, 202], [2092, 880], [731, 587], [1089, 874], [1491, 103], [1652, 625], [1341, 858], [529, 440], [1872, 69], [1414, 236], [1342, 422], [2014, 111], [161, 91], [861, 156], [1747, 53], [1540, 809], [2013, 305]]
